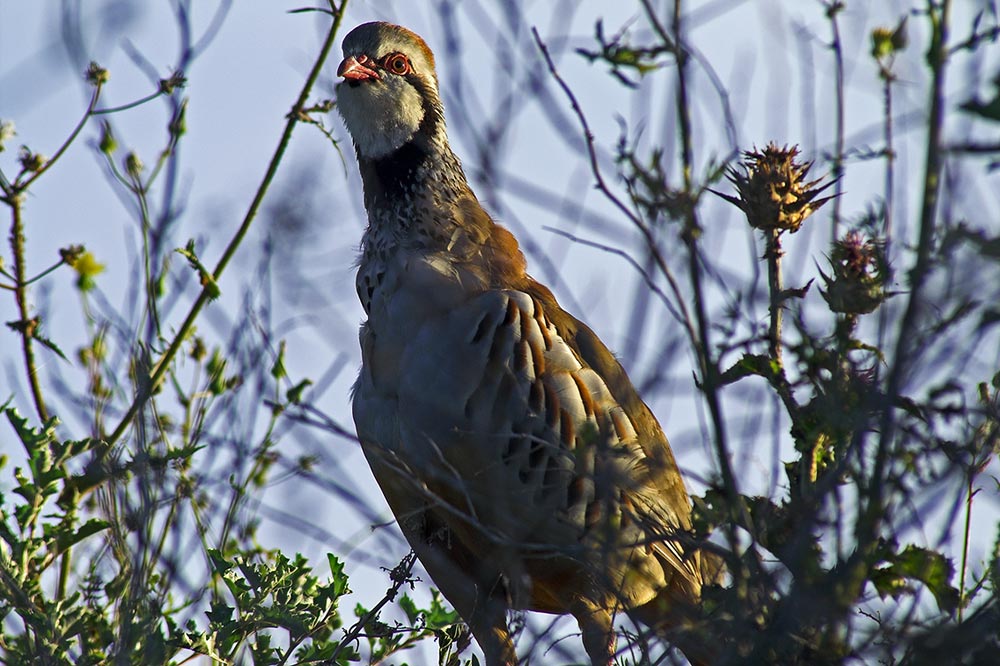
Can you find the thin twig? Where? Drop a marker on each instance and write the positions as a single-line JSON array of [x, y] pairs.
[[970, 494], [21, 186], [128, 105], [710, 375], [874, 512], [603, 188], [890, 186], [14, 196], [618, 252], [837, 169], [293, 118], [400, 576]]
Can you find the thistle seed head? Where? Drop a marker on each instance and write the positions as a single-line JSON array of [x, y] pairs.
[[859, 273], [773, 188]]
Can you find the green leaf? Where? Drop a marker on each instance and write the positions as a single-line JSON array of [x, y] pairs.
[[622, 56], [338, 579], [220, 614], [439, 616], [32, 438], [932, 569], [294, 394], [250, 573], [748, 365], [219, 563], [278, 369], [65, 541], [262, 650], [887, 582], [45, 342], [205, 276], [929, 567], [409, 608]]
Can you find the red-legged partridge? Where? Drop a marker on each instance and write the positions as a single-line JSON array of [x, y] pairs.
[[520, 462]]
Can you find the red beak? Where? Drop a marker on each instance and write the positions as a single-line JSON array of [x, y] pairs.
[[357, 69]]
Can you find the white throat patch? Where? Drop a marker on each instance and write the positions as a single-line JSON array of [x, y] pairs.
[[380, 115]]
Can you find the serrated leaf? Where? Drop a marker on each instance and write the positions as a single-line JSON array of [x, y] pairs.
[[438, 616], [76, 447], [748, 365], [69, 539], [932, 569], [887, 583], [220, 613], [409, 608], [914, 563], [250, 574], [31, 438], [219, 563], [50, 345], [338, 579]]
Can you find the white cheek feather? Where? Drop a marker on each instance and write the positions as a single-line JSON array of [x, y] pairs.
[[380, 115]]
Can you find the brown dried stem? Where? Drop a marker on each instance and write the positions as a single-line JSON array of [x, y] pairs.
[[775, 284]]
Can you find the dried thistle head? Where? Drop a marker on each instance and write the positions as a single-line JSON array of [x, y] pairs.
[[773, 188], [859, 273]]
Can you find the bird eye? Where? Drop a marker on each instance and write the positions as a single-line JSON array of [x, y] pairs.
[[397, 63]]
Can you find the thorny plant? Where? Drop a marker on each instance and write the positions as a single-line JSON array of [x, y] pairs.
[[869, 442], [865, 448]]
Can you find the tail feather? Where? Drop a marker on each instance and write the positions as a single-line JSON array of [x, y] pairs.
[[676, 617]]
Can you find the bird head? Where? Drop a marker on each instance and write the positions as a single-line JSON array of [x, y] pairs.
[[389, 94]]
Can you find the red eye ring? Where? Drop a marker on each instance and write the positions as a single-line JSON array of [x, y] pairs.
[[397, 63]]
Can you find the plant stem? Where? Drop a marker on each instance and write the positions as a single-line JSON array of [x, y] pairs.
[[837, 169], [905, 347], [125, 107], [65, 569], [965, 545], [707, 368], [775, 284], [13, 196], [890, 186], [400, 575], [149, 382], [890, 161], [22, 186], [26, 327]]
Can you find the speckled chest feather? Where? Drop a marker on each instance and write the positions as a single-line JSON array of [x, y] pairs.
[[415, 200]]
